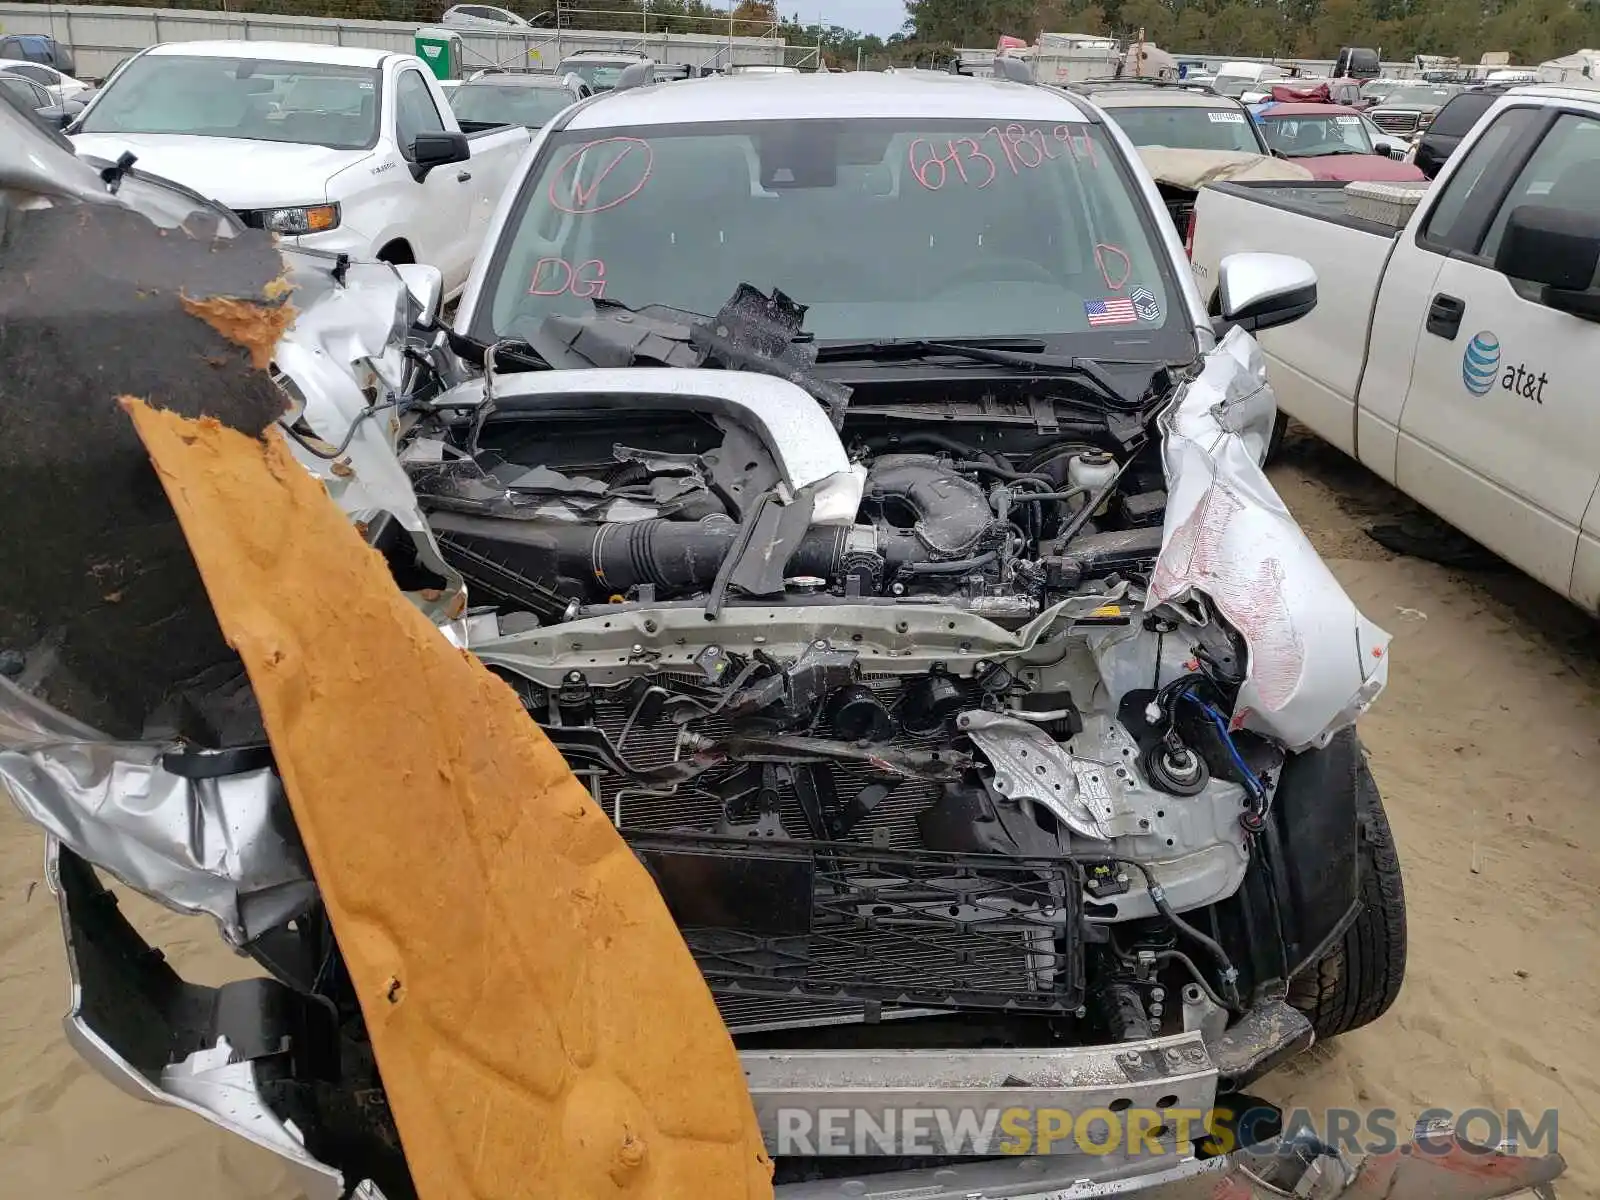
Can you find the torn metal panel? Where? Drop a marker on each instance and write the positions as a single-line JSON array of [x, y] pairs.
[[1031, 765], [224, 845], [1315, 663], [165, 1041], [345, 358]]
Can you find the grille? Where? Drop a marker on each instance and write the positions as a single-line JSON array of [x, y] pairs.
[[841, 923], [1396, 122], [792, 933]]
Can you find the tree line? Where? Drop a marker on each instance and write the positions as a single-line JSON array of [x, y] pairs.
[[1531, 30]]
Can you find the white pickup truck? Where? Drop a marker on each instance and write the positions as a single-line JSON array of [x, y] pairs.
[[335, 148], [1457, 357]]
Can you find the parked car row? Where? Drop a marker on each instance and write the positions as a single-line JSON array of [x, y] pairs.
[[508, 98], [62, 88]]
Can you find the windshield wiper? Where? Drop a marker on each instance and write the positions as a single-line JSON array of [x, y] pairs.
[[1023, 354], [510, 354]]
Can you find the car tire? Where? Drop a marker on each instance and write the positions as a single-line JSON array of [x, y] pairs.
[[1280, 426], [1356, 981]]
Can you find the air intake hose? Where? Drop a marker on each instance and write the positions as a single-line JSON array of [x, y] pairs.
[[675, 556], [952, 524]]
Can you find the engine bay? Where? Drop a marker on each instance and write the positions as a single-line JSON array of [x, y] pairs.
[[892, 738]]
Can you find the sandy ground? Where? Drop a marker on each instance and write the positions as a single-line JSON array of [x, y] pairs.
[[1486, 747]]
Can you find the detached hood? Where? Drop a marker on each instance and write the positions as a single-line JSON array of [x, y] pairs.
[[1372, 168], [234, 172], [1196, 168]]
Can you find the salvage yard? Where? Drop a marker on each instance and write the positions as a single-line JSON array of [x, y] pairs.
[[1485, 745]]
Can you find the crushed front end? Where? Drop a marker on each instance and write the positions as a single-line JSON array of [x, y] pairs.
[[991, 759]]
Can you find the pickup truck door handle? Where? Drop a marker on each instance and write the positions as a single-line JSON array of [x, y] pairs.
[[1444, 316], [466, 176]]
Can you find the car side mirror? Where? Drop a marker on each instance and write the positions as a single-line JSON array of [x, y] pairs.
[[1557, 248], [426, 285], [440, 149], [635, 75], [1261, 291]]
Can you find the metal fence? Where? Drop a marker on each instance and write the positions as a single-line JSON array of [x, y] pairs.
[[975, 58], [101, 36]]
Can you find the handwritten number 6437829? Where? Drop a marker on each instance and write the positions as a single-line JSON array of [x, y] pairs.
[[964, 160]]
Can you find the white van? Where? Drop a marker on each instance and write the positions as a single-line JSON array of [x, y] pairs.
[[1236, 78]]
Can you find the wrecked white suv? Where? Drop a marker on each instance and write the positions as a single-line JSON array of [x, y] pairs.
[[857, 494]]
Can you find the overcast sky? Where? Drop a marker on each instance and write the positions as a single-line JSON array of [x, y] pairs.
[[881, 17]]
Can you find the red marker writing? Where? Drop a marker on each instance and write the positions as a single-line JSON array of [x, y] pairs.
[[601, 174], [558, 277]]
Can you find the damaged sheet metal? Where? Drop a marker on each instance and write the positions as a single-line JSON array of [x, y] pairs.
[[752, 332], [1315, 663], [197, 840], [214, 1052], [1031, 765], [114, 676], [344, 356], [801, 440]]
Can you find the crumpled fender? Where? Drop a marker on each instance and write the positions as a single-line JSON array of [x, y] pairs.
[[1315, 663]]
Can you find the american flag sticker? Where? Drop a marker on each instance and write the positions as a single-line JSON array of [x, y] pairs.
[[1146, 304], [1117, 311]]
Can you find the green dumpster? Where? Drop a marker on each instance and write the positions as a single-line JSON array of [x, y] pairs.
[[440, 48]]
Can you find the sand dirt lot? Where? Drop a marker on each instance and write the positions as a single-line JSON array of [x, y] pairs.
[[1486, 746]]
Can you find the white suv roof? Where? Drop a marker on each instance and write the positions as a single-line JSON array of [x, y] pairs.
[[1145, 96], [827, 96], [304, 52]]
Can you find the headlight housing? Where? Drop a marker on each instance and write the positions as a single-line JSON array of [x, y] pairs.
[[315, 218]]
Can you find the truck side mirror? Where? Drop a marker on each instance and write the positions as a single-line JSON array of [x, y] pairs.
[[1260, 291], [426, 285], [440, 149], [1558, 248], [635, 75]]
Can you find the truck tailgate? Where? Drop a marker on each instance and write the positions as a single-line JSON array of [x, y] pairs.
[[1315, 363]]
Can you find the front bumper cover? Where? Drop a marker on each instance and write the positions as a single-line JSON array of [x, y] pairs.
[[219, 1053]]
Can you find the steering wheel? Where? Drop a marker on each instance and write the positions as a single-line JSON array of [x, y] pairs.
[[1005, 270]]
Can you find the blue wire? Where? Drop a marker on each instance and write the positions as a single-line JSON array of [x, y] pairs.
[[1257, 790]]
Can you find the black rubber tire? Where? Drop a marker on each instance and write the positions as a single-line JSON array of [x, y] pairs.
[[1280, 426], [1356, 981]]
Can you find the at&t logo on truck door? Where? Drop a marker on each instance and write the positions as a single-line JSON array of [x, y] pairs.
[[1480, 371]]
